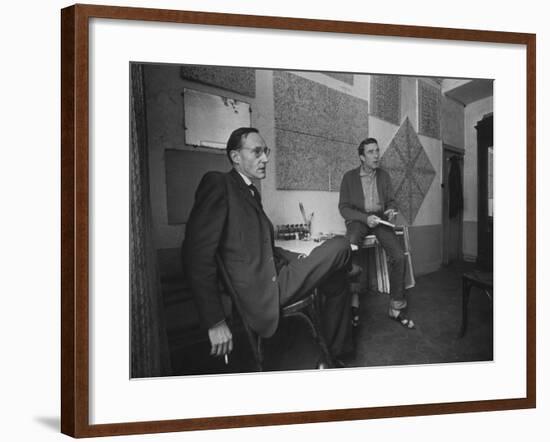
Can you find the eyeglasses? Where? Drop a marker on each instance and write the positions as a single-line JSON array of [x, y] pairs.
[[258, 151]]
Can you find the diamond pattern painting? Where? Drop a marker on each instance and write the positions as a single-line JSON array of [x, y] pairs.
[[410, 169]]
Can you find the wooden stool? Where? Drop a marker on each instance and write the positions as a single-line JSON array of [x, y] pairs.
[[481, 280], [381, 260]]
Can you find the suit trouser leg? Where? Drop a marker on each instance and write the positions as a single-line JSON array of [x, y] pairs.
[[389, 242], [356, 232], [336, 313], [326, 269]]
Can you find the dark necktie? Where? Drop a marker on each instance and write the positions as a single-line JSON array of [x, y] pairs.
[[255, 194]]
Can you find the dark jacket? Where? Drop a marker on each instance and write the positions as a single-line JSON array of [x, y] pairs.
[[226, 219], [352, 199]]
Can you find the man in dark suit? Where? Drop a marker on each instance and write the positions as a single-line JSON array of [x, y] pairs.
[[227, 218], [366, 198]]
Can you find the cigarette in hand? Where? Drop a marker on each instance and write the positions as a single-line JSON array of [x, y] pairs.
[[226, 359]]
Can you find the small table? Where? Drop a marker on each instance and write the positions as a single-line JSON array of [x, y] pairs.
[[481, 280]]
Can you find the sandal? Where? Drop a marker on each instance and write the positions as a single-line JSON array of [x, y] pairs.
[[403, 320], [355, 316]]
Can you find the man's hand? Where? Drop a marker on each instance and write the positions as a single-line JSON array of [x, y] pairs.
[[372, 221], [221, 339], [390, 214]]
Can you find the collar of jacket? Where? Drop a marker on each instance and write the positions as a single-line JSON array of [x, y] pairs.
[[244, 189]]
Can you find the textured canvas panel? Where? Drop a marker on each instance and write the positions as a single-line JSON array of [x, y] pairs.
[[429, 110], [423, 173], [305, 106], [346, 78], [318, 130], [410, 168], [240, 80], [409, 199], [403, 199], [385, 96], [301, 161], [343, 157], [305, 162], [294, 101], [392, 162], [452, 122], [413, 147]]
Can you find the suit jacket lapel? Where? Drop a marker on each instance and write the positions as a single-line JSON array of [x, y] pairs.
[[245, 190], [247, 195]]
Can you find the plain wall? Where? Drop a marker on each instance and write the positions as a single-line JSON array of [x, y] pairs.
[[452, 122]]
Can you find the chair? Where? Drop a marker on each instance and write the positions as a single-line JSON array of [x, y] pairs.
[[308, 309], [481, 280]]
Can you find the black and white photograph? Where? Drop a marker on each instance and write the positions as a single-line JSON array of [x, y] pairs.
[[288, 220]]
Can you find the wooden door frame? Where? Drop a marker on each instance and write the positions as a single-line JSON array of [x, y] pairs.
[[484, 131]]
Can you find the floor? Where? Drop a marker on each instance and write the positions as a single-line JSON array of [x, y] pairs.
[[435, 305]]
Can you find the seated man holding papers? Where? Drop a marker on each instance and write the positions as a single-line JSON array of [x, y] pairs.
[[368, 207]]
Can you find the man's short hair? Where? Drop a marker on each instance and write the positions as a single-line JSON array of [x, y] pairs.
[[361, 148], [236, 138]]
